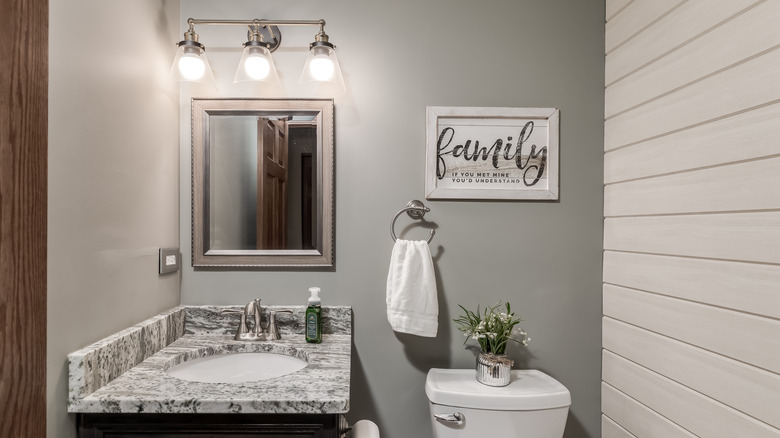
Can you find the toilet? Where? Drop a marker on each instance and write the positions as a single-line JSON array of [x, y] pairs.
[[533, 405]]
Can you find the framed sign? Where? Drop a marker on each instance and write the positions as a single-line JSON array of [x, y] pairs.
[[492, 153]]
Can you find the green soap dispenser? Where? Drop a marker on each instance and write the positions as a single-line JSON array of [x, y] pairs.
[[314, 317]]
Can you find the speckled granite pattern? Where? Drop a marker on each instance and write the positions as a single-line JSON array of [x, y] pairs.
[[321, 387], [95, 365], [203, 320]]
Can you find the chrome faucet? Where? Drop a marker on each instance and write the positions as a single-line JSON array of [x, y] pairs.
[[257, 333]]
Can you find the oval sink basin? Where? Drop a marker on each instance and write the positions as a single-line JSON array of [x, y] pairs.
[[237, 367]]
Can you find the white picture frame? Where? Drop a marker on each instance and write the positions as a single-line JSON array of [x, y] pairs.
[[474, 153]]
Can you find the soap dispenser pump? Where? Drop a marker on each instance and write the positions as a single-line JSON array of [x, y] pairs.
[[314, 317]]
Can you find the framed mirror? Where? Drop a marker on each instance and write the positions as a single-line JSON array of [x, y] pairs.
[[262, 183]]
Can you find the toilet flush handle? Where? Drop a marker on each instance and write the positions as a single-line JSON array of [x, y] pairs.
[[455, 417]]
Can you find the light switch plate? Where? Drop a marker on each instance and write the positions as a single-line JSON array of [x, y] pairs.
[[169, 260]]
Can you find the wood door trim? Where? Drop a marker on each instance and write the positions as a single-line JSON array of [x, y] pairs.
[[23, 198]]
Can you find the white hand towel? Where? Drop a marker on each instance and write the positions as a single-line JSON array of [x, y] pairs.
[[412, 305]]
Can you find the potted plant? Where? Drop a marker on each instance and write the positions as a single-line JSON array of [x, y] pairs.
[[492, 329]]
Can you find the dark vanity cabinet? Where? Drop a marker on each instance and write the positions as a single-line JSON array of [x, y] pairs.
[[208, 425]]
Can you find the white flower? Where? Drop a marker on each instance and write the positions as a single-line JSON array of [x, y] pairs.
[[492, 328]]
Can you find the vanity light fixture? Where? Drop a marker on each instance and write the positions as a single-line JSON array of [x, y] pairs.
[[256, 63], [321, 72], [190, 63]]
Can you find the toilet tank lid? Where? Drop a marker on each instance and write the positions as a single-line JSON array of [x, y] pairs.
[[527, 390]]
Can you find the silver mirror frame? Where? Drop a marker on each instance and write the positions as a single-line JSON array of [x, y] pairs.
[[321, 258]]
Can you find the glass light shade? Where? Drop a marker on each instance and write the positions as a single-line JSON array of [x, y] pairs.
[[191, 64], [256, 64], [321, 72]]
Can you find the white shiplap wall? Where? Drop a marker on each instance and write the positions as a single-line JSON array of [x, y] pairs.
[[691, 327]]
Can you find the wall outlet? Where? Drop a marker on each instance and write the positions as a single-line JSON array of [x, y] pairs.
[[169, 260]]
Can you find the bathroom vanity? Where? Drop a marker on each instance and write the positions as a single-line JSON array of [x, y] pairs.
[[123, 386], [215, 425]]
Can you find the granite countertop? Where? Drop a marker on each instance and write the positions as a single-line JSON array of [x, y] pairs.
[[322, 387]]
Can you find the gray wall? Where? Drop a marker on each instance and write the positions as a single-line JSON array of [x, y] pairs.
[[233, 189], [113, 177], [544, 257]]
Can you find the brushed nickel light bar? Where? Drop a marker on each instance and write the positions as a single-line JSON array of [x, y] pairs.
[[257, 64]]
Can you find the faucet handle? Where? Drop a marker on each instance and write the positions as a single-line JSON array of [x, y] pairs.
[[273, 330], [257, 311], [242, 329]]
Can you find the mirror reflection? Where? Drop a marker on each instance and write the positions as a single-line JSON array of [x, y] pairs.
[[262, 182], [262, 188]]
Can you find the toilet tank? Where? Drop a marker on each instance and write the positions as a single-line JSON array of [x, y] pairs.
[[533, 405]]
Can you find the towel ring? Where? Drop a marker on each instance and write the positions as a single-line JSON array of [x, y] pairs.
[[416, 210]]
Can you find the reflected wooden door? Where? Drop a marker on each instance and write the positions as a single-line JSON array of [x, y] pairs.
[[271, 183]]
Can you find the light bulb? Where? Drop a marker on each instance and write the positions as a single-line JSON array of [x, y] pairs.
[[191, 66], [257, 67], [321, 67]]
